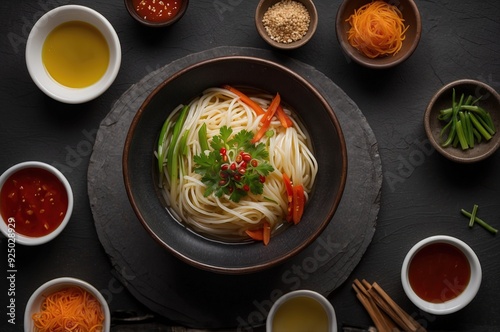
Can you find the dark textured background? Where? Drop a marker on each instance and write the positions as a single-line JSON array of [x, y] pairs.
[[422, 192]]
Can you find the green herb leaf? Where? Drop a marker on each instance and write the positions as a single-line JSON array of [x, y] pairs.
[[234, 178], [242, 140]]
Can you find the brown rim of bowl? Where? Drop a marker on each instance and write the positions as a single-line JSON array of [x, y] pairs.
[[133, 13], [457, 154], [257, 267]]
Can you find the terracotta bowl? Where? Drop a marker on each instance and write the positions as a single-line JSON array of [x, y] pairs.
[[214, 255], [490, 101], [411, 16]]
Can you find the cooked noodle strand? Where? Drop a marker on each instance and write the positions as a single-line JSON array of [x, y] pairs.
[[289, 151]]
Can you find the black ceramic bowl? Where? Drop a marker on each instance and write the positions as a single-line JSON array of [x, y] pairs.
[[311, 109]]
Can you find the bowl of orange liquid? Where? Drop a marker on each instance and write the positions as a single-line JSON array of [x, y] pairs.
[[441, 274], [36, 203], [302, 310], [73, 54]]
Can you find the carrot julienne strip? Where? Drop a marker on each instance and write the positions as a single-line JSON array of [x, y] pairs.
[[69, 309], [266, 119], [298, 203], [266, 233], [262, 234], [289, 193], [377, 29], [245, 99], [257, 235], [283, 117]]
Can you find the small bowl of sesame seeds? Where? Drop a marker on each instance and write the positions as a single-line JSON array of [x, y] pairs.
[[286, 24], [156, 13]]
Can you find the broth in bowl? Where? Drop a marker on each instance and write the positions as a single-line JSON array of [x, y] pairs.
[[235, 166]]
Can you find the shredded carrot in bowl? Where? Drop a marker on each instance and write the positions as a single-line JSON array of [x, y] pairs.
[[377, 29], [70, 309]]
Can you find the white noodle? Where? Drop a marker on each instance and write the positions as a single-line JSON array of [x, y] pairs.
[[289, 152]]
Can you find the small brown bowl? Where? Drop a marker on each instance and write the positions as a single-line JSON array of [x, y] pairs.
[[129, 4], [443, 99], [411, 16], [262, 8]]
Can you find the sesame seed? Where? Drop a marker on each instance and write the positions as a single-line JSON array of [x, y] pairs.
[[286, 21]]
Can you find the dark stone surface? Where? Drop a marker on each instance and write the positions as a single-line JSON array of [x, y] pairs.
[[169, 287]]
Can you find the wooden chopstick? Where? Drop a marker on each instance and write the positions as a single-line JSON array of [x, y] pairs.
[[409, 322], [380, 319], [385, 313]]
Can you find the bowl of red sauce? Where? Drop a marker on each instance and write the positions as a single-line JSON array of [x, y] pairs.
[[441, 274], [36, 202], [157, 13]]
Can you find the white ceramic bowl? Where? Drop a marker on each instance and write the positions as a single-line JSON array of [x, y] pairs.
[[34, 46], [55, 285], [327, 306], [458, 302], [27, 240]]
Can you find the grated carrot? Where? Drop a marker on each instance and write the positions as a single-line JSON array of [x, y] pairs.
[[377, 29], [245, 99], [70, 309]]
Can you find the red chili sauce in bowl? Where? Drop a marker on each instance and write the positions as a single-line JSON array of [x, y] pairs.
[[439, 272], [157, 10], [36, 199]]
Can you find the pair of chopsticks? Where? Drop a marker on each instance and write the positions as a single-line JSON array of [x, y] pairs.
[[385, 313]]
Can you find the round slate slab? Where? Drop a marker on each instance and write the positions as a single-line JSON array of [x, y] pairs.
[[203, 299]]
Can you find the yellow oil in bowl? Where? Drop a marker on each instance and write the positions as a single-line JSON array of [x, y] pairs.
[[300, 314], [76, 54]]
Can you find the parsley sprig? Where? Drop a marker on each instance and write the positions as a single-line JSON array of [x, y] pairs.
[[234, 166]]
